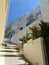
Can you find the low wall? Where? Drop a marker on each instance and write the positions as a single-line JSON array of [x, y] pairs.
[[34, 52]]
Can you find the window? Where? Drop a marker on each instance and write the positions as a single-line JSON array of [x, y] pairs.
[[30, 21], [21, 28], [13, 31], [38, 13]]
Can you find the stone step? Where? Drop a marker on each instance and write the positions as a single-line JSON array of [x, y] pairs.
[[10, 56], [9, 53], [12, 61], [7, 47], [11, 46], [3, 49], [15, 61]]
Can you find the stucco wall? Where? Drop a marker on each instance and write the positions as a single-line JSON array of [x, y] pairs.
[[34, 52], [3, 17]]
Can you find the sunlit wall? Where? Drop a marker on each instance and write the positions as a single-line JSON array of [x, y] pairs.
[[44, 6], [4, 6]]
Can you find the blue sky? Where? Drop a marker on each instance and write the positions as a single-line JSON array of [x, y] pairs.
[[19, 8]]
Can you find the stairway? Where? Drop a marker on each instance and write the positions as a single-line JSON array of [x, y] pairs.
[[9, 55]]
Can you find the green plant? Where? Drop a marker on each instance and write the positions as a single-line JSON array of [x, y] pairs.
[[45, 34], [44, 29], [35, 33], [26, 37]]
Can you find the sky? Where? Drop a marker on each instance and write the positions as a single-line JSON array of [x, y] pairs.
[[19, 8]]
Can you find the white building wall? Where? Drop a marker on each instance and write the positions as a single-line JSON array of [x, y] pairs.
[[21, 22], [18, 24], [22, 33], [37, 10], [44, 6], [14, 26]]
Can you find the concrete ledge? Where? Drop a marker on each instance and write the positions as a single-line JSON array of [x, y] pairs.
[[33, 51]]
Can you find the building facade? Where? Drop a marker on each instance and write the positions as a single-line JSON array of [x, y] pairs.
[[23, 32], [44, 15], [25, 20]]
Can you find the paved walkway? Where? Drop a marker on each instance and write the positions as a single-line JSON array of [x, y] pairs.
[[9, 55]]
